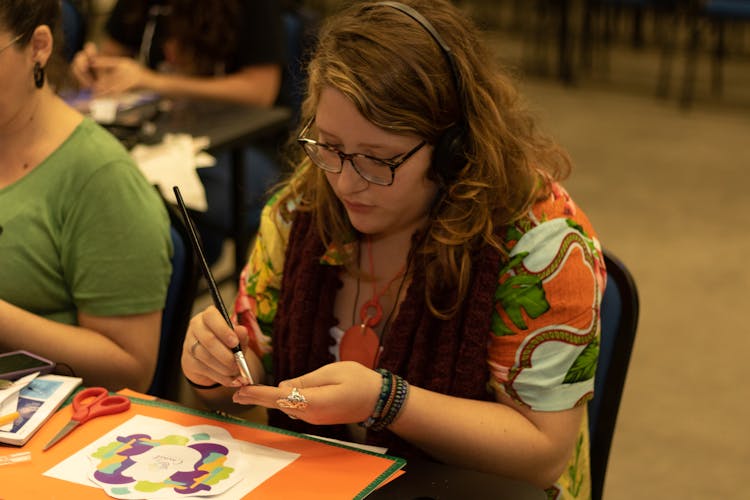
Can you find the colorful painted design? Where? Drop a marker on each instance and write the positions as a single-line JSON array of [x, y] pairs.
[[140, 464]]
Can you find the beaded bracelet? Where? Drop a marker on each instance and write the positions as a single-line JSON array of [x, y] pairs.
[[200, 386], [393, 393], [385, 391], [389, 414]]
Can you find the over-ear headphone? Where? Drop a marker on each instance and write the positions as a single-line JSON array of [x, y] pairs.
[[448, 156]]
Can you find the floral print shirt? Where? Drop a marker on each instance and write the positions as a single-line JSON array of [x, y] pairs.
[[544, 342]]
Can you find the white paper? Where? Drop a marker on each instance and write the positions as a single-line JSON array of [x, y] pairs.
[[15, 388], [367, 447], [173, 162], [103, 110], [144, 468], [9, 398]]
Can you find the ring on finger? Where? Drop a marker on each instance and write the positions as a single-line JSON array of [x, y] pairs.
[[294, 400], [194, 347]]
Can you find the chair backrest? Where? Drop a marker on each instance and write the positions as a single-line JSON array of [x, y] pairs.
[[74, 27], [619, 320], [177, 310]]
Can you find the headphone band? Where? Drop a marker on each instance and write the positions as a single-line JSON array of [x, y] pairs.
[[445, 49], [448, 157]]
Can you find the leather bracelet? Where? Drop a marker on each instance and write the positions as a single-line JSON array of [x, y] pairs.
[[199, 386]]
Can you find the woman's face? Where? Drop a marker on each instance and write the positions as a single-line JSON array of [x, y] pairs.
[[373, 209]]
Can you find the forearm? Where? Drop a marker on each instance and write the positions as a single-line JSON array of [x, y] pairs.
[[251, 86], [89, 353], [486, 436]]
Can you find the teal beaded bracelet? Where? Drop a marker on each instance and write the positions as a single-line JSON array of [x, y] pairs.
[[393, 393], [385, 390], [401, 390]]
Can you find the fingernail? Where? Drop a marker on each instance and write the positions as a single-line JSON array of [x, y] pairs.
[[237, 383]]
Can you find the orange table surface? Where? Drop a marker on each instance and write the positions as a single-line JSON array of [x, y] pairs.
[[323, 470]]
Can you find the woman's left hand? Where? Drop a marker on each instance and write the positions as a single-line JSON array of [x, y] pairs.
[[339, 393]]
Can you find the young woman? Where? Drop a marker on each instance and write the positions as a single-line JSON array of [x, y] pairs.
[[84, 239], [422, 273]]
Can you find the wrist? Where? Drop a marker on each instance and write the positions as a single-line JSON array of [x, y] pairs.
[[152, 80], [393, 393], [209, 385]]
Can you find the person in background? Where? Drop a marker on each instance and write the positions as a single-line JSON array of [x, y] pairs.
[[422, 281], [84, 239], [231, 50]]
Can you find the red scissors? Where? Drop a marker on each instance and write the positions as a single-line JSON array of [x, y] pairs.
[[91, 403]]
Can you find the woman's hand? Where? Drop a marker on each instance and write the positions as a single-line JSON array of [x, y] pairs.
[[206, 352], [115, 75], [82, 68], [339, 393]]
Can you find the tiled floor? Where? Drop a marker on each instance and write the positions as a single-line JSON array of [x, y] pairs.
[[667, 190]]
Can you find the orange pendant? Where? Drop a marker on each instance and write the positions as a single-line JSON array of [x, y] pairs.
[[360, 343]]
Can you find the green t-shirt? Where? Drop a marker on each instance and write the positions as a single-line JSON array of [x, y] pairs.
[[84, 231]]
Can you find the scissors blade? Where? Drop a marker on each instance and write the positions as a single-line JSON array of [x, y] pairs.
[[63, 432]]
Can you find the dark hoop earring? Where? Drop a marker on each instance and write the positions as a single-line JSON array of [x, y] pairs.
[[38, 75]]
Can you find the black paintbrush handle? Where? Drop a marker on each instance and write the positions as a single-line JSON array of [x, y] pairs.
[[195, 241]]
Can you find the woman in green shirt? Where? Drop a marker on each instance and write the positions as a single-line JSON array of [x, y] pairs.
[[84, 239]]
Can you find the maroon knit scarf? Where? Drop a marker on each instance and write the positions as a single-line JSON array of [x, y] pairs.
[[443, 356]]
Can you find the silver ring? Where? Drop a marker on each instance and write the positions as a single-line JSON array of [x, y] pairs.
[[194, 347], [294, 400]]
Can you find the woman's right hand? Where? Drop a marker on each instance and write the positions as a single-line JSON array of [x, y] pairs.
[[82, 67], [206, 352]]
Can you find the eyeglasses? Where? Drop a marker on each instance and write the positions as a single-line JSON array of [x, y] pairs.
[[11, 43], [375, 170]]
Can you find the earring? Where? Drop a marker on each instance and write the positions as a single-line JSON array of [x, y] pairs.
[[38, 75]]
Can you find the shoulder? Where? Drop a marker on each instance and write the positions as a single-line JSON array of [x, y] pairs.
[[545, 323], [89, 162], [552, 221], [92, 142], [278, 215], [94, 170], [556, 244]]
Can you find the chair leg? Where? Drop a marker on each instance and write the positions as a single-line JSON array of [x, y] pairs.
[[667, 42], [720, 51], [691, 62], [565, 59]]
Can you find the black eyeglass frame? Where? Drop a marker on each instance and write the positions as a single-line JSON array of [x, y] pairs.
[[392, 163]]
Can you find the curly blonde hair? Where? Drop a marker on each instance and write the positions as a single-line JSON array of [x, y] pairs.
[[397, 76]]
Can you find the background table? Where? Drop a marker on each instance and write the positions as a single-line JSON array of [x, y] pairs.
[[426, 480]]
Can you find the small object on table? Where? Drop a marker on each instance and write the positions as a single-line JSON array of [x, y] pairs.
[[10, 417], [14, 458]]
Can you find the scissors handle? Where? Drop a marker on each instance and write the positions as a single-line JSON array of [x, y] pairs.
[[91, 403], [96, 402]]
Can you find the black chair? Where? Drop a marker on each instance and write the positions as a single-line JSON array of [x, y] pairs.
[[177, 311], [74, 26], [619, 321]]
